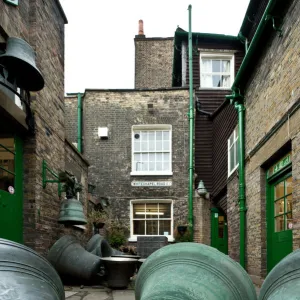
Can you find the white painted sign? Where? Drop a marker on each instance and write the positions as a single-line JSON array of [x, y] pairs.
[[11, 190], [151, 183]]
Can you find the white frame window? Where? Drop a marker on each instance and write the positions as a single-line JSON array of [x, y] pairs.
[[216, 70], [151, 150], [233, 151], [151, 213]]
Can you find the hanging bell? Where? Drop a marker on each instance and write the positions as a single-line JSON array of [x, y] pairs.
[[19, 60], [71, 212]]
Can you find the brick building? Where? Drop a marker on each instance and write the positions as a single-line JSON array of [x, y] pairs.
[[267, 85], [32, 129]]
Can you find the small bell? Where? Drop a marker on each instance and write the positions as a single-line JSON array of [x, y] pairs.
[[71, 212]]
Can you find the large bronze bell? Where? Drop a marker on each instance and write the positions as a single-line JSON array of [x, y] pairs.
[[19, 60], [71, 212]]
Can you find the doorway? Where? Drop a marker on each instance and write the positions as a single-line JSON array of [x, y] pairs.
[[11, 189], [219, 235]]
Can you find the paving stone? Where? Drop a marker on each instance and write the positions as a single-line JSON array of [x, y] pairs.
[[74, 298], [97, 296], [123, 295], [69, 294]]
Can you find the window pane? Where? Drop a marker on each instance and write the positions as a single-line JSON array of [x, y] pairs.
[[166, 157], [236, 153], [166, 166], [166, 146], [279, 223], [225, 81], [158, 145], [137, 145], [144, 157], [231, 153], [138, 211], [225, 67], [144, 146], [289, 185], [279, 190], [289, 203], [158, 135], [165, 227], [152, 227], [206, 80], [144, 135], [158, 157], [289, 221], [139, 227], [206, 66], [151, 136], [221, 223], [158, 166], [279, 207], [216, 66], [7, 161], [216, 80], [231, 140], [144, 166], [166, 135], [152, 211], [165, 208], [151, 166]]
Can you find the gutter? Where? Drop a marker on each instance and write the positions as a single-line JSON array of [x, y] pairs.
[[79, 122]]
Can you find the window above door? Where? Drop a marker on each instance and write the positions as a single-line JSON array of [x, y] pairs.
[[216, 70]]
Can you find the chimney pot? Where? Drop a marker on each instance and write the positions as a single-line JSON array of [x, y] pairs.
[[141, 27]]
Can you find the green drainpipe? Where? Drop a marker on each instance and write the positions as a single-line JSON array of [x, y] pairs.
[[79, 123], [238, 101], [191, 125]]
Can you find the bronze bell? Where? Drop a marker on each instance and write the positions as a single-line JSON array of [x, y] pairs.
[[71, 212], [19, 60]]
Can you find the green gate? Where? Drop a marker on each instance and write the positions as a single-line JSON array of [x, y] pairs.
[[279, 212], [219, 236], [11, 191]]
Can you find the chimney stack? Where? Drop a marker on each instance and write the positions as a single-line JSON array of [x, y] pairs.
[[141, 30]]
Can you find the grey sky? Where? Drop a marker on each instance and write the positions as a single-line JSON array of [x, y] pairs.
[[99, 34]]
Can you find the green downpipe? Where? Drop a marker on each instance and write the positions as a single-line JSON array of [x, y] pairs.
[[79, 122], [238, 101], [191, 127]]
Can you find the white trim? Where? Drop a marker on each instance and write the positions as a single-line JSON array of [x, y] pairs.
[[149, 127], [133, 238], [218, 55], [235, 143]]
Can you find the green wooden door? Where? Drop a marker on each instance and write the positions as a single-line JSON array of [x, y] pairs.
[[279, 219], [219, 236], [11, 192]]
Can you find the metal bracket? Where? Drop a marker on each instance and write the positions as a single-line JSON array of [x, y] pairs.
[[276, 28], [45, 168]]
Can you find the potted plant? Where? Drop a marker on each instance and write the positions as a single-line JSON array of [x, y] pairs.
[[98, 218]]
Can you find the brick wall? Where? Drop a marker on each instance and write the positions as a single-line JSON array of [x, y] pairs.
[[271, 91], [71, 118], [153, 62], [41, 24], [110, 158]]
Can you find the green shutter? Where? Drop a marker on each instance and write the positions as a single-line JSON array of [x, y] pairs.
[[13, 2]]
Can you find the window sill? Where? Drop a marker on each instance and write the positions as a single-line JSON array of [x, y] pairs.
[[233, 171], [134, 238], [134, 173]]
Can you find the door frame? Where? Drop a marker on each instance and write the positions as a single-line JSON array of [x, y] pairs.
[[18, 187], [270, 182]]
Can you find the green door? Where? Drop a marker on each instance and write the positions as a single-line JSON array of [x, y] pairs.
[[219, 237], [280, 219], [11, 192]]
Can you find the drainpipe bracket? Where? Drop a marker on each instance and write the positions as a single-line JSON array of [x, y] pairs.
[[277, 28]]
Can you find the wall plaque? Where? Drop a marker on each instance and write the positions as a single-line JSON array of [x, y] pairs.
[[151, 183]]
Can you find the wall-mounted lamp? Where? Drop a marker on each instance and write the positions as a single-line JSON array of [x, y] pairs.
[[202, 191]]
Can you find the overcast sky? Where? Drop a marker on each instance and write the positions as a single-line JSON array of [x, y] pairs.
[[99, 36]]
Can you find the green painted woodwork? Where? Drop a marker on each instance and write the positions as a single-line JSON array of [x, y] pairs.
[[11, 204], [219, 232], [279, 217], [46, 169], [192, 271], [191, 115]]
